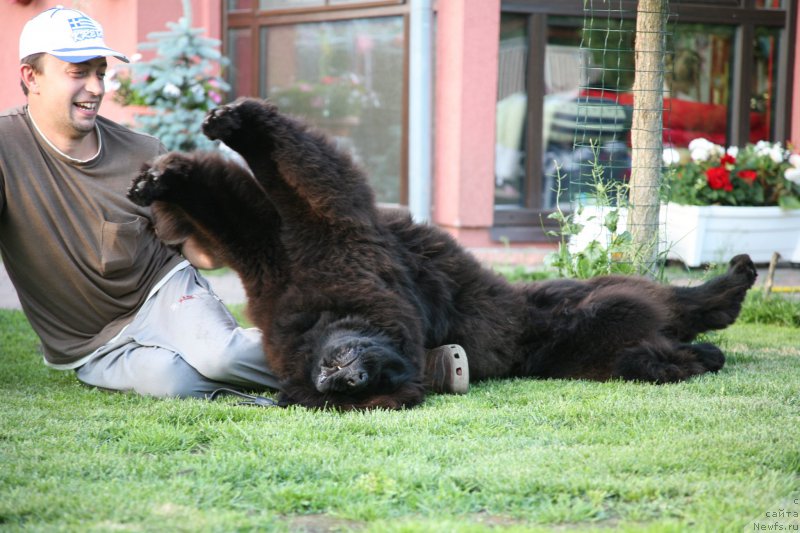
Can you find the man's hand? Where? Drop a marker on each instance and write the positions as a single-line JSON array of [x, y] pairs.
[[198, 257]]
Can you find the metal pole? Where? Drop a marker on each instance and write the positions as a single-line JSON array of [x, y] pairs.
[[420, 116]]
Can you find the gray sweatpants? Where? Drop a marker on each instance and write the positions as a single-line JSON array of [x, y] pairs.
[[182, 342]]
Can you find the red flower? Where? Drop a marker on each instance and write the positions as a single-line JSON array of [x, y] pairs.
[[719, 178], [727, 160], [747, 175]]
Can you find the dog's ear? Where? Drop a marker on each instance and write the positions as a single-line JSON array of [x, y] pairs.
[[396, 371]]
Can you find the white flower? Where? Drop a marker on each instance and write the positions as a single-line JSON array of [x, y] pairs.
[[700, 143], [702, 150], [732, 151], [794, 160], [792, 174], [671, 156], [700, 154], [171, 90], [776, 153], [763, 148]]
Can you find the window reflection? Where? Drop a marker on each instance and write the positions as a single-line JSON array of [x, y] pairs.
[[698, 84], [240, 5], [346, 78], [587, 107], [240, 54], [512, 100], [587, 100], [289, 4], [764, 84], [294, 4]]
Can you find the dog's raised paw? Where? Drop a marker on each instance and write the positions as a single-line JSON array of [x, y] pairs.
[[143, 189], [156, 179], [742, 265], [222, 122]]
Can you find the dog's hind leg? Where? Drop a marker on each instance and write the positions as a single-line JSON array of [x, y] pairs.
[[663, 361], [713, 305]]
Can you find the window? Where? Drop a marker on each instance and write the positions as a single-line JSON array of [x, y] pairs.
[[343, 76], [698, 84], [342, 70], [769, 4], [564, 92], [512, 101]]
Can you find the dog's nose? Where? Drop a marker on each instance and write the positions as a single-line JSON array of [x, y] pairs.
[[356, 380]]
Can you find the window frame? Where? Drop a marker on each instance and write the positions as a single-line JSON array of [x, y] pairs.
[[529, 223], [363, 4], [255, 20]]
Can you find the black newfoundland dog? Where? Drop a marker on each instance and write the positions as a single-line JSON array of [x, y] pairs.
[[349, 296]]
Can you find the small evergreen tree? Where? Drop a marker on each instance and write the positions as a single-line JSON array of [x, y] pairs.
[[180, 84]]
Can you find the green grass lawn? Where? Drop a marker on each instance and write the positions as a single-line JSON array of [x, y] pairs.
[[712, 454]]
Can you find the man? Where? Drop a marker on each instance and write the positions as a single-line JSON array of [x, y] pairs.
[[105, 296]]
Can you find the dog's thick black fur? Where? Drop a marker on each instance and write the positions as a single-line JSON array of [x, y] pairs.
[[349, 296]]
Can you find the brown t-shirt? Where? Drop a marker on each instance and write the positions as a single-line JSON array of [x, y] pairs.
[[82, 257]]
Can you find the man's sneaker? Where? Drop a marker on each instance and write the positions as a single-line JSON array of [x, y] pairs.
[[447, 370]]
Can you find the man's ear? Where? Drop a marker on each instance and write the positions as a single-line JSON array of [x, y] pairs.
[[28, 76]]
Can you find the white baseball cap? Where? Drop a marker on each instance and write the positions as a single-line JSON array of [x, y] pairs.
[[66, 34]]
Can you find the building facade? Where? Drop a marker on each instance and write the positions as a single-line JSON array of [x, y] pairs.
[[508, 78]]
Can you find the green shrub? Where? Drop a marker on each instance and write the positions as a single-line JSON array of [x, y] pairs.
[[760, 308], [180, 84]]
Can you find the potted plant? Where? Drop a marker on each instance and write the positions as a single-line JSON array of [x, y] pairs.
[[725, 201]]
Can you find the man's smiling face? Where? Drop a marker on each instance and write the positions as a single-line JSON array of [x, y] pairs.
[[68, 96]]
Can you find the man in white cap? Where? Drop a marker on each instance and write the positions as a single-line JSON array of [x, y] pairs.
[[105, 296]]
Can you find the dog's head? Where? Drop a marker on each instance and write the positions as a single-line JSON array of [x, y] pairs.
[[348, 363]]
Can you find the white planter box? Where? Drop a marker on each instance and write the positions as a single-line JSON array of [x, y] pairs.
[[714, 233], [696, 235]]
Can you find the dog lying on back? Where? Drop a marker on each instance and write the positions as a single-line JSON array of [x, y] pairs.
[[349, 296]]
